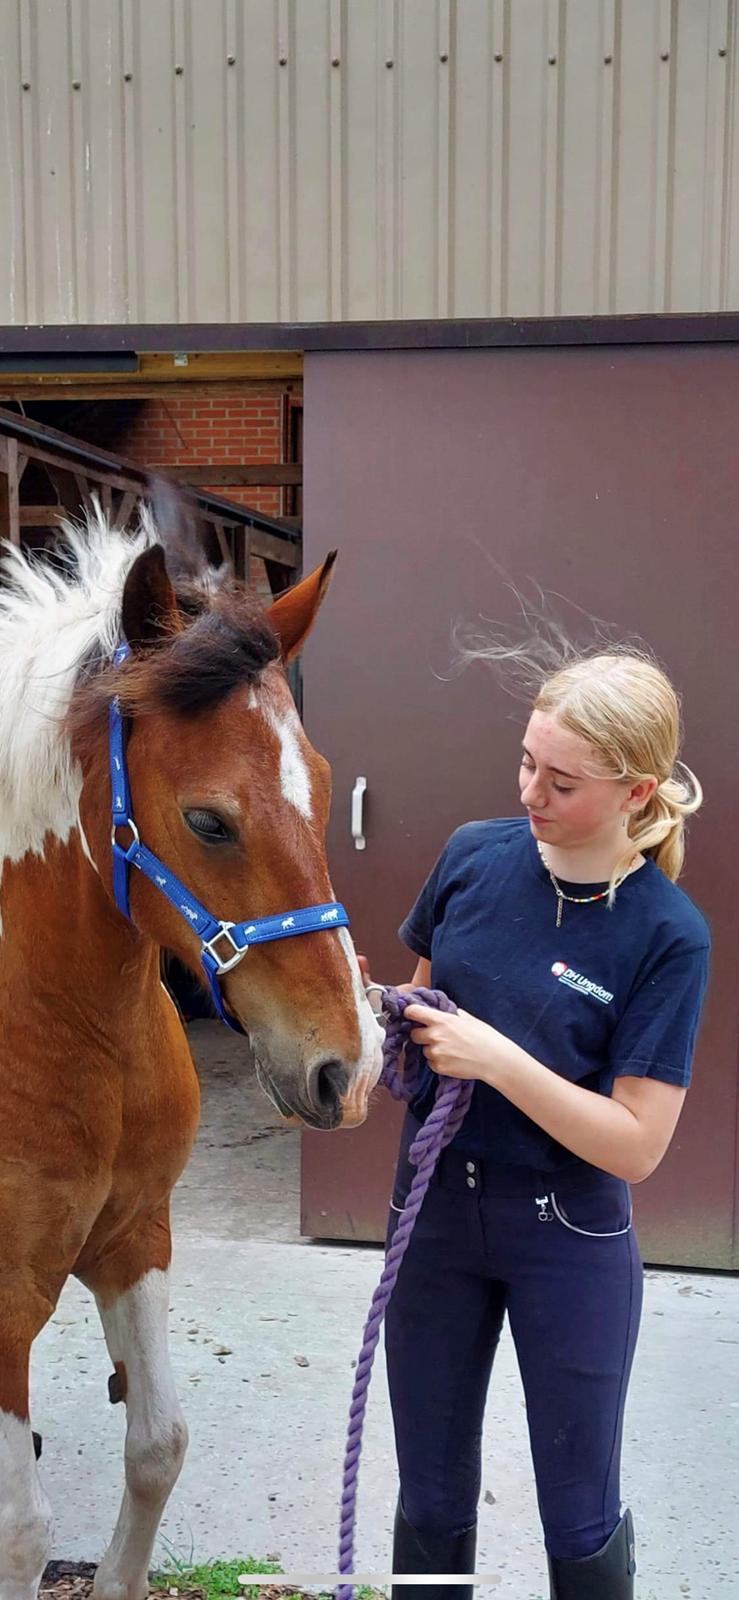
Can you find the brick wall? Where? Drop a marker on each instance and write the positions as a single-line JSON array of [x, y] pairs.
[[230, 423]]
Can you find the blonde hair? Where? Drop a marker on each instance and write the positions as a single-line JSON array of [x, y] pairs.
[[625, 707], [617, 698]]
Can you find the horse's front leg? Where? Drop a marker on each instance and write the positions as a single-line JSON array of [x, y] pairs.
[[136, 1332], [25, 1514], [28, 1295]]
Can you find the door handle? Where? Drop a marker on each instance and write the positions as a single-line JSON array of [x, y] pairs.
[[358, 793]]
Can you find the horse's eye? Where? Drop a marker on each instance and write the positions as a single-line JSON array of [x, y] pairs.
[[208, 826]]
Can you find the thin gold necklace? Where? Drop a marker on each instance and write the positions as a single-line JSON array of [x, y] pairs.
[[579, 899]]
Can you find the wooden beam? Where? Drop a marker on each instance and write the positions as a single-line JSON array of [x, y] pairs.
[[72, 388], [88, 478], [221, 366], [216, 523], [125, 507], [10, 522], [40, 516], [272, 549], [274, 474], [67, 486], [157, 368]]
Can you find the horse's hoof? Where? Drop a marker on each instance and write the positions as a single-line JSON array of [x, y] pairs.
[[38, 1444]]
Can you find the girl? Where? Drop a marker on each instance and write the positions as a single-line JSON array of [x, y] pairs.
[[579, 970]]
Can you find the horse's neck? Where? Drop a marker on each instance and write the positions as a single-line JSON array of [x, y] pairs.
[[62, 938]]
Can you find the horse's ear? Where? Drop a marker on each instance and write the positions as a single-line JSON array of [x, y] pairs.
[[179, 528], [149, 611], [293, 615]]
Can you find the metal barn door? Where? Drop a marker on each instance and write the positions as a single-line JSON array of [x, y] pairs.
[[606, 475]]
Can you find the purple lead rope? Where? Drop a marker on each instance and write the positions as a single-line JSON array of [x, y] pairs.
[[444, 1120]]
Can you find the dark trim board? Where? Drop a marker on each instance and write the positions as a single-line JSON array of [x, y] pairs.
[[479, 333]]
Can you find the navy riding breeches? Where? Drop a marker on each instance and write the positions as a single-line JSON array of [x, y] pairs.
[[557, 1253]]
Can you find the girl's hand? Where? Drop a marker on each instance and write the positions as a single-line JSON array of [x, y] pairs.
[[455, 1045]]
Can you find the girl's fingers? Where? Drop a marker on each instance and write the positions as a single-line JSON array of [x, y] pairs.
[[420, 1013]]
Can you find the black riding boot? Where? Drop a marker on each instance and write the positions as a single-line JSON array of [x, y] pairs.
[[415, 1552], [608, 1575]]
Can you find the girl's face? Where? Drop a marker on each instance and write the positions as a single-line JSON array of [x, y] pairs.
[[567, 805]]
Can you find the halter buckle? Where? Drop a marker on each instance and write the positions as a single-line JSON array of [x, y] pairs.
[[239, 950]]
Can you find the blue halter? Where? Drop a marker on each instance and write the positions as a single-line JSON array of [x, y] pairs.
[[224, 943]]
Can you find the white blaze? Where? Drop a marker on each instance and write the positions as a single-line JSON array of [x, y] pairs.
[[371, 1034], [294, 775]]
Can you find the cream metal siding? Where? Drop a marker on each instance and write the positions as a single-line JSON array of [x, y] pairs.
[[300, 160]]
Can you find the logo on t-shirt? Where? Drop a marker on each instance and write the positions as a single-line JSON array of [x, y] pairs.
[[575, 980]]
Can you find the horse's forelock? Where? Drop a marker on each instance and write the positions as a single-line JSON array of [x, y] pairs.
[[225, 643], [215, 654]]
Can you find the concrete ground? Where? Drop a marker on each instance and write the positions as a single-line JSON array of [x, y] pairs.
[[265, 1330]]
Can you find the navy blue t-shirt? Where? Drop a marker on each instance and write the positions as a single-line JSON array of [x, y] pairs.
[[613, 992]]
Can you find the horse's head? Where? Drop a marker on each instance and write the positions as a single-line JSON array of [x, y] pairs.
[[230, 794]]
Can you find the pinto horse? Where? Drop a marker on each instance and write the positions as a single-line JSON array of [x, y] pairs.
[[99, 1097]]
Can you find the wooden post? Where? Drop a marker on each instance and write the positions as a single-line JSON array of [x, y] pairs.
[[125, 508], [241, 552], [10, 527], [66, 484], [217, 524]]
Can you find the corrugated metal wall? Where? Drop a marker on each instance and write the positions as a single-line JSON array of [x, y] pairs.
[[287, 160]]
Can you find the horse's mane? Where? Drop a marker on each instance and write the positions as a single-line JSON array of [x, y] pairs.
[[60, 622]]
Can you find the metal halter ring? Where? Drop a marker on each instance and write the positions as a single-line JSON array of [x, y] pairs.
[[126, 850], [376, 988]]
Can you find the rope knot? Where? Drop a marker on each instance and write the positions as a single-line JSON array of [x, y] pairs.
[[401, 1059]]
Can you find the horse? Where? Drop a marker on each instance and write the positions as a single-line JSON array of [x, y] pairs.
[[99, 1096]]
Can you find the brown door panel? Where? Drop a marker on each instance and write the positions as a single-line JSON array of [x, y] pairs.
[[608, 476]]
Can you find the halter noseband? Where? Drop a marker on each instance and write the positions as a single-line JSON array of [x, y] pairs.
[[224, 943]]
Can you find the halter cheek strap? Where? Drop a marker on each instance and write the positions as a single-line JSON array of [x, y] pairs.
[[223, 943]]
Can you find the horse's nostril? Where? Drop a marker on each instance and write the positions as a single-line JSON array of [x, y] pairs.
[[329, 1084]]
